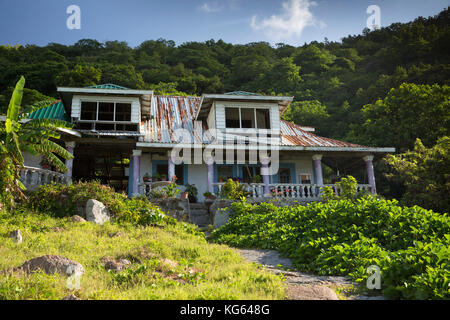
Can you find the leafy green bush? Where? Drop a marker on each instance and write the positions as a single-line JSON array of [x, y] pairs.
[[62, 200], [344, 237], [233, 190]]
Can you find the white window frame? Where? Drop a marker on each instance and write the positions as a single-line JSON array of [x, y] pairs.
[[240, 116], [114, 122]]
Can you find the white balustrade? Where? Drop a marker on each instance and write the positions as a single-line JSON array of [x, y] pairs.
[[301, 192], [32, 178]]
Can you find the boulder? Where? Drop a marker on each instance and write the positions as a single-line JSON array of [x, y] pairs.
[[97, 212], [78, 219], [219, 212], [51, 265], [111, 264], [311, 293]]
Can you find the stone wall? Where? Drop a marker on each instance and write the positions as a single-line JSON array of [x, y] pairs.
[[174, 207]]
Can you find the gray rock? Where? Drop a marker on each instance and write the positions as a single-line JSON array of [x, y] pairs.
[[111, 264], [51, 265], [78, 219], [97, 212], [311, 293]]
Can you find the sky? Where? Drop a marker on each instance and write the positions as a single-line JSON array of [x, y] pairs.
[[293, 22]]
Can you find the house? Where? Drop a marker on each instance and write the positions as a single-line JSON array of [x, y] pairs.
[[121, 136]]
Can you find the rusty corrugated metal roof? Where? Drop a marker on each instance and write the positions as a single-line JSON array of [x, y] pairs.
[[293, 135], [169, 113]]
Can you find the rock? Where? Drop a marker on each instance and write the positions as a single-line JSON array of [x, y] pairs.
[[311, 293], [78, 219], [111, 264], [52, 264], [71, 297], [58, 229], [16, 236], [97, 212], [220, 212]]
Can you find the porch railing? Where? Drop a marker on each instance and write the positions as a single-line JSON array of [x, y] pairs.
[[32, 178], [302, 192]]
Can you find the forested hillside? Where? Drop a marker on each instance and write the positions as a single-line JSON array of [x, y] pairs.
[[381, 88]]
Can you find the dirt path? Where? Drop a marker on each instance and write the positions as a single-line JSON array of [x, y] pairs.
[[302, 286]]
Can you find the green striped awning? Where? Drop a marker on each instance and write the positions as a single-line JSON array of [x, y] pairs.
[[55, 111]]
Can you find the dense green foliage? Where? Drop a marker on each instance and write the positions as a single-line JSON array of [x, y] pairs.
[[233, 190], [425, 174], [62, 201], [331, 81], [345, 237]]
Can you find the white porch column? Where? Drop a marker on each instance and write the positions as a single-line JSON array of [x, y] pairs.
[[210, 180], [70, 147], [317, 158], [136, 171], [171, 166], [370, 173], [265, 176]]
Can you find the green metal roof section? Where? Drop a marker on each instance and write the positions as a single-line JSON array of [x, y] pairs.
[[242, 93], [108, 86], [55, 111]]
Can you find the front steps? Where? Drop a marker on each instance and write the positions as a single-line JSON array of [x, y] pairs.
[[199, 215]]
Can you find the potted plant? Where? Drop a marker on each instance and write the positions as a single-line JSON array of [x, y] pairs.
[[209, 195], [184, 195], [221, 179], [257, 179], [192, 192], [157, 177], [146, 177], [45, 164], [164, 177]]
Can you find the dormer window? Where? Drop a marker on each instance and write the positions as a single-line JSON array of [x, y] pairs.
[[247, 118], [109, 116]]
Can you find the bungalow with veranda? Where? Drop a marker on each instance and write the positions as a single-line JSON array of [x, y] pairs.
[[126, 139]]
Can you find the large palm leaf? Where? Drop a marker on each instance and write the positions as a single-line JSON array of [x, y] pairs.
[[34, 136]]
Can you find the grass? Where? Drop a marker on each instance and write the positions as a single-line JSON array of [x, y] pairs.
[[169, 262]]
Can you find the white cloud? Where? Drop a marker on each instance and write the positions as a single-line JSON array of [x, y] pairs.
[[210, 7], [294, 17]]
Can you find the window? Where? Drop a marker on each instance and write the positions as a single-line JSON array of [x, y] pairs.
[[110, 116], [247, 118], [232, 118], [305, 178], [263, 118], [284, 175]]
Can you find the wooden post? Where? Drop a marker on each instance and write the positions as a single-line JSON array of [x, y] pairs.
[[370, 173]]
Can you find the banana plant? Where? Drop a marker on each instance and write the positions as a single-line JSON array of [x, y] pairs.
[[35, 136]]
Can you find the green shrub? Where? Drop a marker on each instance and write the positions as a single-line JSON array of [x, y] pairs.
[[233, 190], [62, 200], [344, 237]]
